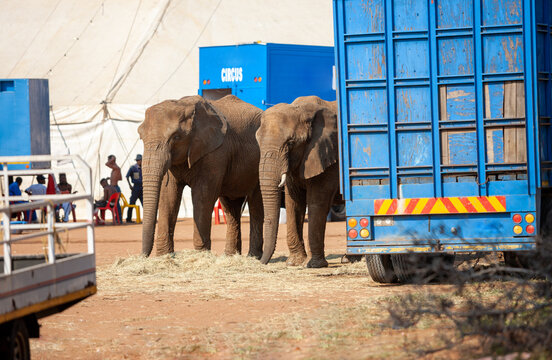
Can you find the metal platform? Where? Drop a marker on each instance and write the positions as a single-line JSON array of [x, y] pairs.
[[46, 283]]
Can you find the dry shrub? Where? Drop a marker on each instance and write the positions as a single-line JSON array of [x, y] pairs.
[[506, 309]]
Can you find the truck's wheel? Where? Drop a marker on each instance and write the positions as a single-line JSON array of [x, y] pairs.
[[337, 213], [380, 268], [404, 266], [19, 348], [517, 259]]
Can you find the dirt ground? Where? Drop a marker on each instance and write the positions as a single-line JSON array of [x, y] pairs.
[[201, 305]]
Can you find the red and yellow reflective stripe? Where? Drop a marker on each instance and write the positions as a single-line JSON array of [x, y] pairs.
[[447, 205]]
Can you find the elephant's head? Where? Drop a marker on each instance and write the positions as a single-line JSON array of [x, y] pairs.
[[296, 140], [174, 133]]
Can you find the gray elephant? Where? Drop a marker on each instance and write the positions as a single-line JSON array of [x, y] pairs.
[[211, 147], [298, 144]]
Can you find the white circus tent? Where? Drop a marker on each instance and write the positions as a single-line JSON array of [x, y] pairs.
[[108, 60]]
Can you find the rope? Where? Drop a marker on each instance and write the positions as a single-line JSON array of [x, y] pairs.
[[75, 41], [126, 43], [119, 83], [189, 52], [33, 40], [65, 143]]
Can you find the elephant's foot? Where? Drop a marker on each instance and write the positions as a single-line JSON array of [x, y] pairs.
[[202, 248], [256, 254], [230, 252], [318, 262], [296, 259]]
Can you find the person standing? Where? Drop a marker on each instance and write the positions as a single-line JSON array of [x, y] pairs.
[[115, 172], [114, 179], [134, 179]]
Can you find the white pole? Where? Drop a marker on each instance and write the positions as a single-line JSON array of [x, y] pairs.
[[51, 237], [6, 222]]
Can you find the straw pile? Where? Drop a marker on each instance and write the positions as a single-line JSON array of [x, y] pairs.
[[221, 276]]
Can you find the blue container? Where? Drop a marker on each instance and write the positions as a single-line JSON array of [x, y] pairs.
[[266, 74], [445, 132], [24, 119]]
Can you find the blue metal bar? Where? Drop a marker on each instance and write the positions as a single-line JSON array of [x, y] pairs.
[[390, 56], [479, 97], [342, 96], [531, 93], [433, 71]]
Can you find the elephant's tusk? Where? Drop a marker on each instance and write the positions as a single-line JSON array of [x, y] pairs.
[[283, 182]]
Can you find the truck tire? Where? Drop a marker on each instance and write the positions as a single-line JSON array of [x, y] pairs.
[[404, 267], [517, 259], [425, 267], [337, 213], [15, 346], [380, 268]]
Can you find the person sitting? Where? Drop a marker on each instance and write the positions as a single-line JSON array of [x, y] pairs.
[[65, 188], [14, 190], [108, 190], [37, 189]]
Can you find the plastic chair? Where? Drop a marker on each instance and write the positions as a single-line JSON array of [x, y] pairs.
[[111, 206], [218, 206], [127, 205]]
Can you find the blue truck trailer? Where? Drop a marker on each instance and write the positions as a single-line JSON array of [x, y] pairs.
[[445, 139], [265, 74], [24, 120]]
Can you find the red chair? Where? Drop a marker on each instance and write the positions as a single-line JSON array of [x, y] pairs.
[[218, 206], [111, 206]]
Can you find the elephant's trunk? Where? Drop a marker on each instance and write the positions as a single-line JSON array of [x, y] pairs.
[[271, 169], [154, 167]]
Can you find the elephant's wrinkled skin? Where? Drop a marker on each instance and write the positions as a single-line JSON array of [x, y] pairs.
[[298, 145], [211, 147]]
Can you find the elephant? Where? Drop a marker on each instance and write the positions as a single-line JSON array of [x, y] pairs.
[[298, 144], [211, 147]]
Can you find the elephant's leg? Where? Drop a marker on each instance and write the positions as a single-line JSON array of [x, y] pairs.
[[256, 217], [232, 209], [319, 199], [295, 217], [169, 204], [204, 196], [173, 216]]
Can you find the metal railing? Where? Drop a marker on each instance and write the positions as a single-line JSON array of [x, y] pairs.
[[48, 202]]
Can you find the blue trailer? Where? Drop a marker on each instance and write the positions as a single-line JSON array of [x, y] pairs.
[[24, 120], [266, 74], [445, 139]]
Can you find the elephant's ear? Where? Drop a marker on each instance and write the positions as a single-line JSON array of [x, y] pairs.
[[321, 148], [208, 128]]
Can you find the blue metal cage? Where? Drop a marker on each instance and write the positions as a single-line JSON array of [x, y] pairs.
[[444, 122]]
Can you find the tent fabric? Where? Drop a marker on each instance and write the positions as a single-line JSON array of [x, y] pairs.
[[107, 61]]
